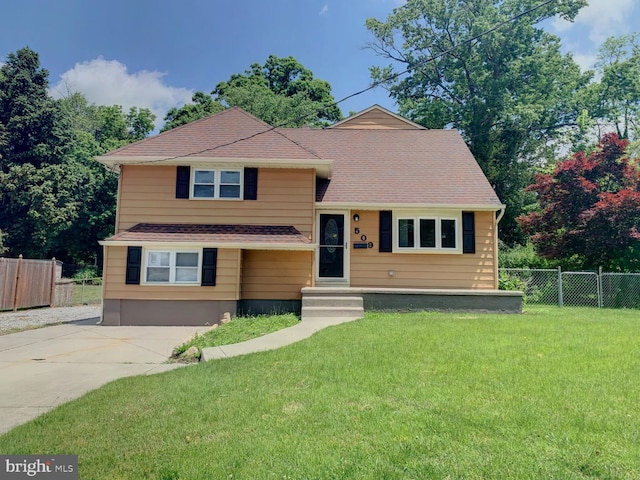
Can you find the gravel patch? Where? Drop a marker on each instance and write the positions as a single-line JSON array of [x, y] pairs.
[[39, 317]]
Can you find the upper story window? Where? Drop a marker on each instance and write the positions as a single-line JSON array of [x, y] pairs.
[[209, 183], [427, 233]]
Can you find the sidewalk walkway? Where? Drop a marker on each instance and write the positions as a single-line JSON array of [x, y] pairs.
[[272, 341], [45, 367]]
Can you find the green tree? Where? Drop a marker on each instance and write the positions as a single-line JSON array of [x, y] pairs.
[[510, 92], [139, 123], [202, 106], [589, 209], [32, 129], [38, 203], [278, 85], [613, 102], [55, 200], [96, 130], [282, 91]]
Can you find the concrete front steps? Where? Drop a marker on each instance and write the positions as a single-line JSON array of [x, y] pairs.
[[323, 307]]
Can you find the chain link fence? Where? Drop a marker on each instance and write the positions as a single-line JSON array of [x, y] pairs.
[[87, 291], [620, 290], [584, 289]]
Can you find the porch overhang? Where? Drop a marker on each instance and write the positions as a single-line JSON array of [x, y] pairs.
[[247, 237]]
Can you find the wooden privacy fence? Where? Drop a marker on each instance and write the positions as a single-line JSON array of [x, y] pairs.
[[26, 283]]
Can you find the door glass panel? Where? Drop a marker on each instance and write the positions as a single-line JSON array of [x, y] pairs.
[[331, 234], [331, 251]]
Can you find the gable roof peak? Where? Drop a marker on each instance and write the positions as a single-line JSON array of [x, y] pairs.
[[383, 115]]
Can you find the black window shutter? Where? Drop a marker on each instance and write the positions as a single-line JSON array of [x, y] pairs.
[[250, 183], [385, 231], [183, 178], [468, 232], [209, 262], [134, 265]]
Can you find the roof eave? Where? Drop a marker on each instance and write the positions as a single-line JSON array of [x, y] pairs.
[[478, 207], [323, 167]]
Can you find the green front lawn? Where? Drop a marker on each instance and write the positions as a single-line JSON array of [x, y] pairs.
[[552, 393]]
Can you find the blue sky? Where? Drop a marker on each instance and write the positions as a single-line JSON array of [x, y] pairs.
[[156, 53]]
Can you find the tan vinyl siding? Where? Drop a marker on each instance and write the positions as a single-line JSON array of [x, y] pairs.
[[275, 275], [375, 119], [227, 285], [370, 268], [285, 197]]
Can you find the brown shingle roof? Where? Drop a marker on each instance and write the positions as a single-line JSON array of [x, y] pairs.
[[395, 167], [194, 233], [232, 133], [398, 167]]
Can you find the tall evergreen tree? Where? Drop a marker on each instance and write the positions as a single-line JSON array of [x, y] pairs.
[[55, 200], [32, 126]]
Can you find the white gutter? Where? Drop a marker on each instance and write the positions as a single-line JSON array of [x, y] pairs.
[[322, 166], [406, 206]]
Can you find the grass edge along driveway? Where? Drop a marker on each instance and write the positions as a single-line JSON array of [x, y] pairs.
[[551, 393]]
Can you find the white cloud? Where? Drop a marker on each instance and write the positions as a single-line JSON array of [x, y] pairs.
[[585, 60], [107, 82], [324, 9], [601, 18]]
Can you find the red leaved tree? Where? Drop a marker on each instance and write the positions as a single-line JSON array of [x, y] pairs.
[[589, 208]]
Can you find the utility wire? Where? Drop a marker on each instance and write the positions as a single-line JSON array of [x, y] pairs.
[[370, 87]]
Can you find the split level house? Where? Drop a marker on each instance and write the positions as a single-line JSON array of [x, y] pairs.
[[230, 215]]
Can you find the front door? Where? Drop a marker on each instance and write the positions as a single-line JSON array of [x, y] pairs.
[[331, 255]]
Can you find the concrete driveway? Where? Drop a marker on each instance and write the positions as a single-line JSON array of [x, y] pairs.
[[43, 368]]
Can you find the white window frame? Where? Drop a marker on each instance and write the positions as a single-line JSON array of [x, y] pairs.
[[217, 172], [172, 266], [416, 233]]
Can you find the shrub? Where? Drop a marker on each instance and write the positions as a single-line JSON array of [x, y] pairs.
[[86, 272], [509, 282]]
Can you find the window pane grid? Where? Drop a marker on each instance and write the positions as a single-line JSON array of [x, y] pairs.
[[406, 237], [169, 267], [229, 184], [427, 233], [448, 232]]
